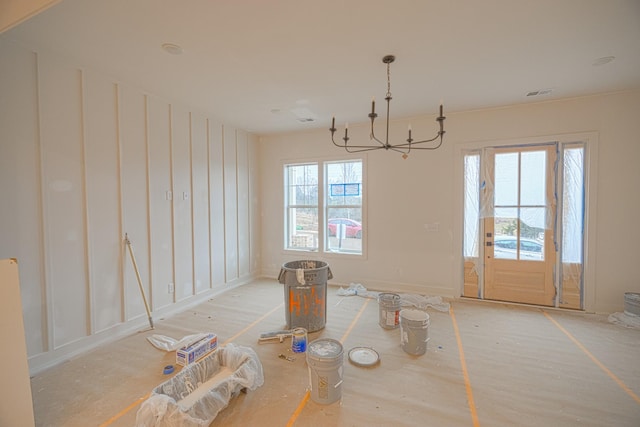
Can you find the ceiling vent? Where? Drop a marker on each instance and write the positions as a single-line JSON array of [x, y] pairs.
[[304, 115], [539, 92]]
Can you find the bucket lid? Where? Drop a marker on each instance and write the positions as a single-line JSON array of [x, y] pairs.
[[632, 296], [325, 348], [364, 356], [388, 297], [414, 315]]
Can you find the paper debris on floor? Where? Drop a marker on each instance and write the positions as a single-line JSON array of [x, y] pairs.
[[406, 300], [624, 319]]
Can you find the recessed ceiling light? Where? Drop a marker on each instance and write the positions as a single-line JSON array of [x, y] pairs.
[[172, 48], [604, 60]]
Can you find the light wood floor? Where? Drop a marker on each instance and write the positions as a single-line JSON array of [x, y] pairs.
[[487, 364]]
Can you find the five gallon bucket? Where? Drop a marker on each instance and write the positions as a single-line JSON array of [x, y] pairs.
[[389, 307], [632, 303], [324, 358], [414, 331], [305, 293]]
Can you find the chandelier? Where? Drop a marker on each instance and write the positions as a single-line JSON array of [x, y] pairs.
[[377, 144]]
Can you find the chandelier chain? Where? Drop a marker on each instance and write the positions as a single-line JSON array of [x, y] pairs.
[[389, 80]]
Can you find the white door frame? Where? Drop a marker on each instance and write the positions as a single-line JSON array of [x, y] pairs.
[[590, 140]]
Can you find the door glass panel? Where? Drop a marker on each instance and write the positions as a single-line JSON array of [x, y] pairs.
[[573, 203], [533, 179], [505, 242], [506, 179], [471, 205]]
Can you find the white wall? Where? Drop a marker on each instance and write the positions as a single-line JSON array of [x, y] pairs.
[[404, 195], [84, 160]]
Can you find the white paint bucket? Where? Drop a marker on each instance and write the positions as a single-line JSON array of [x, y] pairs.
[[414, 331], [324, 358], [389, 306]]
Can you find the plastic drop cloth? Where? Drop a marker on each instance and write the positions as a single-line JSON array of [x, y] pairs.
[[406, 300], [166, 343], [624, 319], [163, 407]]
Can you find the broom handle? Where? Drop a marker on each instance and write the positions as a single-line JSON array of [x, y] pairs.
[[135, 267]]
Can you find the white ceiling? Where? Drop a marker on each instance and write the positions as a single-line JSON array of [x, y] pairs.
[[251, 63]]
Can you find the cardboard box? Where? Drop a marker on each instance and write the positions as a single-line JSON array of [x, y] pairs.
[[196, 350]]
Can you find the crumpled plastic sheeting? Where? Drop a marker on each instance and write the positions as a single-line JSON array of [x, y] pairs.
[[166, 343], [624, 319], [162, 408], [406, 300]]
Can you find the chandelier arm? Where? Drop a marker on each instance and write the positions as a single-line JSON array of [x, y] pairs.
[[347, 147], [435, 147], [361, 148], [372, 134]]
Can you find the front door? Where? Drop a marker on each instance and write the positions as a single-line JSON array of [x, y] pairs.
[[519, 250]]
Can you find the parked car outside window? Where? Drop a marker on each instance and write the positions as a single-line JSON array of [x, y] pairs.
[[504, 247], [352, 228]]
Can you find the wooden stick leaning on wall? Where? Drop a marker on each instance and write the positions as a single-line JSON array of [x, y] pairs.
[[135, 267]]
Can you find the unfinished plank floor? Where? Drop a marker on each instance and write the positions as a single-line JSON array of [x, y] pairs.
[[486, 365]]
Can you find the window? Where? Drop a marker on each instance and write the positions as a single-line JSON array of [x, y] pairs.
[[328, 193], [343, 207], [301, 228]]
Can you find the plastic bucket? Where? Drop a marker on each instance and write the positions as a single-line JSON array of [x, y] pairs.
[[324, 359], [389, 307], [414, 331], [305, 293]]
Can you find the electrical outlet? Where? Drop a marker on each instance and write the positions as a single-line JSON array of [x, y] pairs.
[[171, 288], [432, 227]]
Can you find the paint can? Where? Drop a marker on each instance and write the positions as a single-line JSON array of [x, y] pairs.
[[305, 293], [324, 359], [414, 331], [299, 340], [389, 308]]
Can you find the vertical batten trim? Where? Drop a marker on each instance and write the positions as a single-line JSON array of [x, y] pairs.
[[194, 289], [173, 206], [237, 208], [209, 219], [148, 204], [47, 315], [121, 247], [85, 204], [224, 204]]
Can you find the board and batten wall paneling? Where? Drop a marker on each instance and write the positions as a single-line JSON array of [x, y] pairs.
[[61, 130], [230, 204], [200, 203], [135, 208], [242, 167], [181, 170], [85, 159], [160, 201], [216, 203], [20, 210], [103, 200]]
